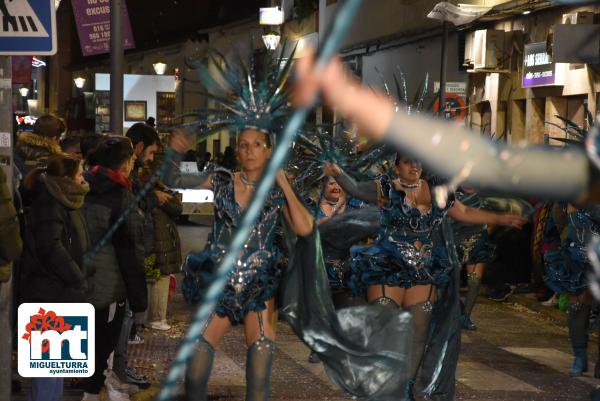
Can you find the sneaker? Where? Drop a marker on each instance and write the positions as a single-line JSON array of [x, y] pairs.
[[501, 294], [161, 325], [118, 386], [552, 301], [136, 339], [136, 378]]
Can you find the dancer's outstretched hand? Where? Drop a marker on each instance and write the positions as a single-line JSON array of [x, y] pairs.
[[511, 220]]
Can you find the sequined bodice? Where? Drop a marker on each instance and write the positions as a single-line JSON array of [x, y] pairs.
[[259, 248], [401, 222]]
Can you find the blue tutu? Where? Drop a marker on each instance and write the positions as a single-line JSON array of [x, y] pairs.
[[566, 270], [254, 281]]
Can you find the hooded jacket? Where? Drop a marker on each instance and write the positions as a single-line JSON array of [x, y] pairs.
[[119, 264], [33, 151], [56, 241]]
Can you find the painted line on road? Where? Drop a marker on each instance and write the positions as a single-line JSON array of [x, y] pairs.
[[555, 359], [480, 377]]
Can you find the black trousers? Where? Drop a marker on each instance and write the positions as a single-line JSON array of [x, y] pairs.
[[108, 329]]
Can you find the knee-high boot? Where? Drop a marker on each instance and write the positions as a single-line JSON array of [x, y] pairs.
[[474, 284], [421, 314], [198, 371], [258, 369], [578, 321]]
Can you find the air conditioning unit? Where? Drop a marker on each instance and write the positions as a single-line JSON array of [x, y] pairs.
[[484, 49], [581, 17]]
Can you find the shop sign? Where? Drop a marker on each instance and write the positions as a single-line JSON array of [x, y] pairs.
[[456, 100], [93, 25], [538, 67]]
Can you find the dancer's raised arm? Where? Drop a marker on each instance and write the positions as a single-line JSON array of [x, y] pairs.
[[447, 149]]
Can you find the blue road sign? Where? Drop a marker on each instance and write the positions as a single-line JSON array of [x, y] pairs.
[[27, 27]]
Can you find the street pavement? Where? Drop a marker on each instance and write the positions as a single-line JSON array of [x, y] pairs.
[[516, 354]]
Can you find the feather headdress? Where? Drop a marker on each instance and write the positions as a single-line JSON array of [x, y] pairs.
[[248, 98], [400, 98]]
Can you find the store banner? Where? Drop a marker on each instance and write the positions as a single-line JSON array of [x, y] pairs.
[[456, 100], [93, 25], [538, 67], [21, 70]]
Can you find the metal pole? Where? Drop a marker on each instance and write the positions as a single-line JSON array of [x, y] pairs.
[[116, 66], [6, 289], [442, 108]]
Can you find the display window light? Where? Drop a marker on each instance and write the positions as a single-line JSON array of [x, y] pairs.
[[79, 82], [271, 40], [159, 68]]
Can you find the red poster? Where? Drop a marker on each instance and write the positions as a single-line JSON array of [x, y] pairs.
[[21, 69]]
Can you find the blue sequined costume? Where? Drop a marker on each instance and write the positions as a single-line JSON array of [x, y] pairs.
[[472, 243], [393, 259], [567, 267], [337, 261], [256, 275]]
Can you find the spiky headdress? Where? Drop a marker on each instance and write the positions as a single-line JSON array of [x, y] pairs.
[[247, 100], [332, 144], [400, 99], [574, 134]]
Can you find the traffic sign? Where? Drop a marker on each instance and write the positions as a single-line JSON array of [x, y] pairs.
[[27, 27]]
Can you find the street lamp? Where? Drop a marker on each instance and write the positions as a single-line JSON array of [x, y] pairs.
[[79, 82], [160, 68], [24, 91], [271, 40]]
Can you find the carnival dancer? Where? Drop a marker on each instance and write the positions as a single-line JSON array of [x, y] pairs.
[[249, 295], [567, 272], [405, 266], [474, 250], [363, 348]]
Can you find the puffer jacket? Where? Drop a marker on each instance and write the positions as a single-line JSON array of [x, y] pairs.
[[119, 264], [10, 237], [56, 242]]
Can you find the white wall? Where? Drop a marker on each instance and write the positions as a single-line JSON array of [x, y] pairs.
[[415, 60], [139, 87]]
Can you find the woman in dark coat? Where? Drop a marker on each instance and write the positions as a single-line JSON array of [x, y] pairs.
[[119, 263], [56, 239]]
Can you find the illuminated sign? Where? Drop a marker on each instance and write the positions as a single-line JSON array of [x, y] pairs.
[[271, 16], [539, 69]]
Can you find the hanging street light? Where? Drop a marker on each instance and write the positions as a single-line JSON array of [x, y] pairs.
[[271, 40], [24, 91], [79, 82], [160, 68]]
